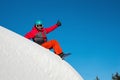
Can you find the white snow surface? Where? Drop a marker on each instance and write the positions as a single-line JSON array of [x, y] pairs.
[[22, 59]]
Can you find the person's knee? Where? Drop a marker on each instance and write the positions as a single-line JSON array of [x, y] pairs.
[[54, 41]]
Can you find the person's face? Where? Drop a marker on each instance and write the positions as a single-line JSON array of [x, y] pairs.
[[39, 27]]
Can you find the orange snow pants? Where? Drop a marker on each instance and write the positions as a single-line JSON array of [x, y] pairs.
[[53, 44]]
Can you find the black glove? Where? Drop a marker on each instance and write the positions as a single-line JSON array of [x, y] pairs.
[[58, 23]]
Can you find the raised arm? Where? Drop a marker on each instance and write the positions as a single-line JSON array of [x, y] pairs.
[[51, 28]]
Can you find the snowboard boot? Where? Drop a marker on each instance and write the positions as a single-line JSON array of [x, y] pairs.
[[63, 55]]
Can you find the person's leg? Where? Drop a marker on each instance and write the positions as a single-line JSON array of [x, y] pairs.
[[53, 44]]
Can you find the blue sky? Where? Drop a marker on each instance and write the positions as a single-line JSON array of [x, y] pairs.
[[90, 30]]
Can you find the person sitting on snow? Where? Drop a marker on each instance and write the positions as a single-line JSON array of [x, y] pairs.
[[38, 34]]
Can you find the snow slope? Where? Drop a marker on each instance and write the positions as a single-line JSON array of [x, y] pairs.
[[22, 59]]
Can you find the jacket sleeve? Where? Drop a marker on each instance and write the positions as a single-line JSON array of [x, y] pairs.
[[51, 28], [29, 35]]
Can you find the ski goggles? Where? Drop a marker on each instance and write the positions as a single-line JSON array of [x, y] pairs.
[[40, 25]]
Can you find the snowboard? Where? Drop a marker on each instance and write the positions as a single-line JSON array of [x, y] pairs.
[[66, 55]]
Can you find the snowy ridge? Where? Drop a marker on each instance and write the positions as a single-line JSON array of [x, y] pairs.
[[22, 59]]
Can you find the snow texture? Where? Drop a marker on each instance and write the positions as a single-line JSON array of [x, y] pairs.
[[22, 59]]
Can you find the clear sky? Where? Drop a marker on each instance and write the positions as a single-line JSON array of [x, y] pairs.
[[90, 30]]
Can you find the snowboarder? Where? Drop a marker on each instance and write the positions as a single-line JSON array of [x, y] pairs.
[[38, 34]]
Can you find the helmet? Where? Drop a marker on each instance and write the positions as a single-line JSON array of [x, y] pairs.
[[38, 22]]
